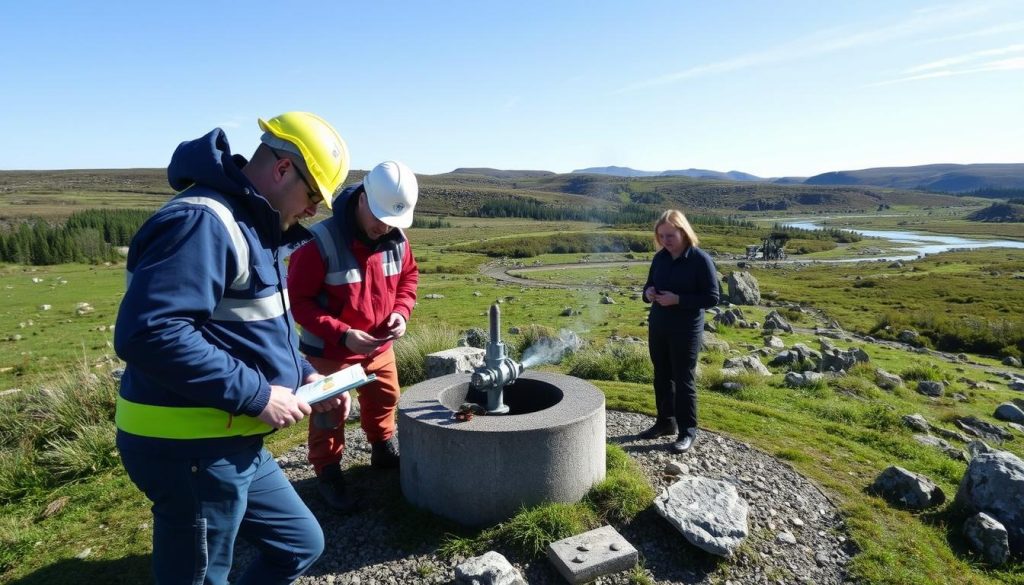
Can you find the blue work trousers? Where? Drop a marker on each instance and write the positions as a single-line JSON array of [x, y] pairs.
[[201, 505]]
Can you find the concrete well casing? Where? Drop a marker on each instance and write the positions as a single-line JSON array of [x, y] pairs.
[[550, 448]]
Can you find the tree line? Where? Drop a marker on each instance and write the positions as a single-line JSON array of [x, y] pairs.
[[88, 236], [629, 214]]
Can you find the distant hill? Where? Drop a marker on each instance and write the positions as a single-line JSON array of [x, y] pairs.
[[999, 212], [501, 174], [694, 173], [943, 178]]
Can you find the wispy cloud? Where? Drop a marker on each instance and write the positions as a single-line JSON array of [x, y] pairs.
[[1012, 64], [969, 57], [1006, 27], [821, 42]]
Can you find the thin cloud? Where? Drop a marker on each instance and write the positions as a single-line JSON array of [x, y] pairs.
[[952, 61], [821, 42], [1006, 27], [1012, 64]]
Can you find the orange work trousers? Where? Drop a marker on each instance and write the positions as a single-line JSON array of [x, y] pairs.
[[378, 401]]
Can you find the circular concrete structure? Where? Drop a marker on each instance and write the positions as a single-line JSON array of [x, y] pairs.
[[549, 448]]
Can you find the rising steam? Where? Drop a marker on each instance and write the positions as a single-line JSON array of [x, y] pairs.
[[551, 350]]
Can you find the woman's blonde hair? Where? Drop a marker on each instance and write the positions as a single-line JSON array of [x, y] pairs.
[[676, 219]]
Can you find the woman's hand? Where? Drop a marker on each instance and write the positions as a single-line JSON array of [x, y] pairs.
[[666, 299], [649, 293]]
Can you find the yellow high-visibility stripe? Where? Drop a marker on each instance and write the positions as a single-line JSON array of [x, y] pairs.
[[184, 422]]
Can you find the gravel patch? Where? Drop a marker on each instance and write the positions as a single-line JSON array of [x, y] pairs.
[[796, 534]]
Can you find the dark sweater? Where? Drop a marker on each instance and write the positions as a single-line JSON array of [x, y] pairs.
[[693, 277]]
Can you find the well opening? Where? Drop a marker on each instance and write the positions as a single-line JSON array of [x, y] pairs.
[[525, 396]]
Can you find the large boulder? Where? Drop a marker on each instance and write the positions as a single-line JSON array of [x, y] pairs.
[[709, 513], [994, 484], [748, 363], [774, 320], [743, 289], [988, 536], [907, 489]]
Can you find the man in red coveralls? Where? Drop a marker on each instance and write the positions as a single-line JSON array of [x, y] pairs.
[[352, 290]]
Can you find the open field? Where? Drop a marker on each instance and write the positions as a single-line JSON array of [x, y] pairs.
[[840, 434]]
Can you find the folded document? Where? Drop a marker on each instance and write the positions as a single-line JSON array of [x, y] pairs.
[[338, 382]]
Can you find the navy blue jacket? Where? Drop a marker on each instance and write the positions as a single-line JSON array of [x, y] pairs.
[[693, 277], [204, 321]]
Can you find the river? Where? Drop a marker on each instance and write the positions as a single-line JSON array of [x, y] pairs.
[[919, 244]]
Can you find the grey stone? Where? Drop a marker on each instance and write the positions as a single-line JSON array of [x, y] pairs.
[[606, 552], [774, 320], [711, 342], [994, 484], [1009, 411], [476, 337], [907, 489], [980, 428], [989, 537], [1011, 361], [738, 365], [709, 513], [775, 342], [931, 388], [799, 380], [490, 568], [453, 361], [916, 422], [743, 289]]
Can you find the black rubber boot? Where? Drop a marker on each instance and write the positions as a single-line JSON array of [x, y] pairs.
[[384, 454], [331, 485]]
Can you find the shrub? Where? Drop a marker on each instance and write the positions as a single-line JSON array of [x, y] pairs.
[[626, 362]]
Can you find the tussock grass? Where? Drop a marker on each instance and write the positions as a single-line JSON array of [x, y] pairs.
[[411, 351], [57, 435], [626, 362]]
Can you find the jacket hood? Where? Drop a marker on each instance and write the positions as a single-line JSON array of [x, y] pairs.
[[208, 161]]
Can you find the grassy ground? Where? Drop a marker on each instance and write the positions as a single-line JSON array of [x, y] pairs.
[[841, 435]]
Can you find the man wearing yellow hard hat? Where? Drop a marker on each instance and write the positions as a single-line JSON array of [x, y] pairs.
[[212, 357]]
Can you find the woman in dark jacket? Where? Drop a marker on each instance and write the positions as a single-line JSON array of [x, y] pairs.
[[682, 282]]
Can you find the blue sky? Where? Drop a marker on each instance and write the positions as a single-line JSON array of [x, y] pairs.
[[774, 88]]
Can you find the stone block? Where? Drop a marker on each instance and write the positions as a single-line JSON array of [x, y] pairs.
[[590, 555], [454, 361]]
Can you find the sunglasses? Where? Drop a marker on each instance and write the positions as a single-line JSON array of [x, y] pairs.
[[314, 195]]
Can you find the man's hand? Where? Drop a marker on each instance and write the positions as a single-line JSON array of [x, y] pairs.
[[359, 341], [342, 400], [284, 409], [395, 325]]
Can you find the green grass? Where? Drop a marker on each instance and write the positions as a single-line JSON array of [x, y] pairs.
[[840, 434]]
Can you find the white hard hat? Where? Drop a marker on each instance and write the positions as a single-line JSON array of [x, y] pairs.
[[391, 191]]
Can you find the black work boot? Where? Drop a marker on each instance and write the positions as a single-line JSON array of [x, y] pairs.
[[384, 454], [331, 485], [684, 441], [663, 427]]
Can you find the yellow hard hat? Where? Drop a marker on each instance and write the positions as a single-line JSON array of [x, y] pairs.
[[323, 150]]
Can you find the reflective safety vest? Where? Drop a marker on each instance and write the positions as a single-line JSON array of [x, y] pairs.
[[186, 422], [342, 268]]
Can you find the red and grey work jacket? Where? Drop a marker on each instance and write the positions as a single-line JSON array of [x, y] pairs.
[[336, 282]]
